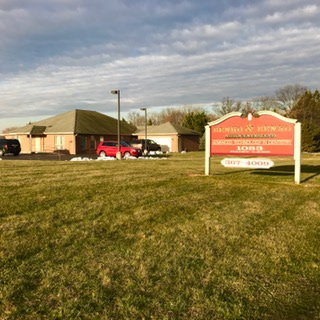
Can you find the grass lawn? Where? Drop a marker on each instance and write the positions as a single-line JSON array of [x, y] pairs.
[[141, 239]]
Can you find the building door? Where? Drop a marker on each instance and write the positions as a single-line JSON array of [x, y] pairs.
[[37, 144]]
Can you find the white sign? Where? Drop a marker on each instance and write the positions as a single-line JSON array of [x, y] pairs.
[[253, 163]]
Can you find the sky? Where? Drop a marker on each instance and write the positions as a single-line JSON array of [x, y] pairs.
[[60, 55]]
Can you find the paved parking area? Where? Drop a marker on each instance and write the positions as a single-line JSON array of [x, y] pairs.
[[45, 156]]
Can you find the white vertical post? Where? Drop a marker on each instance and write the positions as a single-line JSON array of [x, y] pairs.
[[297, 153], [207, 152]]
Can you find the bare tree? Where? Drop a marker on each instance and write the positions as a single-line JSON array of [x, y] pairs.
[[135, 118], [266, 103], [289, 95], [173, 115], [227, 105], [248, 108], [178, 114]]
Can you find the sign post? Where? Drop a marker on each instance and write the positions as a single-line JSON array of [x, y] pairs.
[[263, 134], [297, 152], [207, 152]]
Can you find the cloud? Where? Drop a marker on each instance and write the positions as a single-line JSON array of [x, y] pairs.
[[60, 55], [299, 14]]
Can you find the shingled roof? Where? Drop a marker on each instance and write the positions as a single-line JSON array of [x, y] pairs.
[[77, 122], [167, 128]]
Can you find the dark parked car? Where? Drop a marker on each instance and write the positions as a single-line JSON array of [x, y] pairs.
[[9, 146], [110, 148], [140, 144]]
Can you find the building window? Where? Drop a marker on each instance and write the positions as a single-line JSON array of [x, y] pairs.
[[92, 143], [59, 143], [82, 142]]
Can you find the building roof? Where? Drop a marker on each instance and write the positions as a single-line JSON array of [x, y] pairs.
[[167, 128], [77, 122]]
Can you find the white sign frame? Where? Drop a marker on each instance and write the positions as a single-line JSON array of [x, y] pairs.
[[297, 141]]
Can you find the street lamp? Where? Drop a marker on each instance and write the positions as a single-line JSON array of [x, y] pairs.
[[118, 155], [145, 130]]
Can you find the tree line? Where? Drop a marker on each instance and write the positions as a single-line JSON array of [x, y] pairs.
[[292, 101]]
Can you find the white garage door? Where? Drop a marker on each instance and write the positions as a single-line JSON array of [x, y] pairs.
[[165, 143]]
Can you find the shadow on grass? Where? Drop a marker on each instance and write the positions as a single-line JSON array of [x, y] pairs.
[[229, 172], [289, 170]]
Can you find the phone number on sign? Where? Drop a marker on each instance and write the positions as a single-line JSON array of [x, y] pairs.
[[247, 163]]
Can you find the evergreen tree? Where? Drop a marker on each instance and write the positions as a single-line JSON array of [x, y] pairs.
[[307, 111], [196, 121]]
